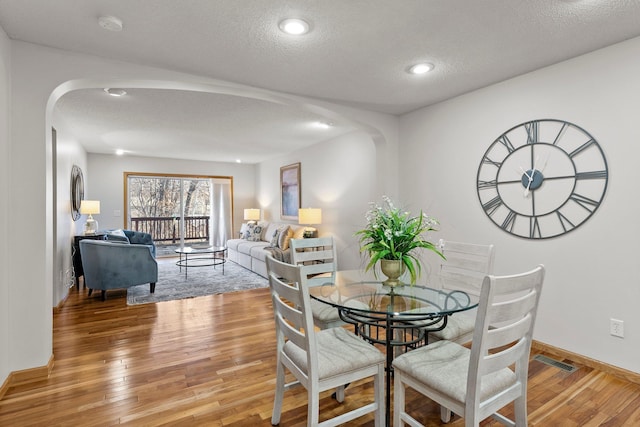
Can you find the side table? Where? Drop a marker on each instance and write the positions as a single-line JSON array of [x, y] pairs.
[[75, 254]]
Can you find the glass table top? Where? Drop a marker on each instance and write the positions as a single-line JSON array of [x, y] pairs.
[[356, 292]]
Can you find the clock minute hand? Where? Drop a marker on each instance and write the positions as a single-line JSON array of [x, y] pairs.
[[544, 165], [526, 190]]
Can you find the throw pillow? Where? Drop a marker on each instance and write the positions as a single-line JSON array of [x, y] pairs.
[[284, 238], [255, 233], [299, 233], [274, 239], [248, 231], [118, 232], [243, 231]]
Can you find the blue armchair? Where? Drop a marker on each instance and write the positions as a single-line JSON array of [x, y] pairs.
[[116, 265]]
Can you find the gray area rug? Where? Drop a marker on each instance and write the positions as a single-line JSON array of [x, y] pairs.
[[200, 281]]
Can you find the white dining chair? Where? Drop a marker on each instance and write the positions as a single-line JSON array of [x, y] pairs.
[[475, 383], [319, 256], [323, 360], [464, 268]]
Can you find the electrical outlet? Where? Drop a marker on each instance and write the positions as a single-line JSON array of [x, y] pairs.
[[617, 328]]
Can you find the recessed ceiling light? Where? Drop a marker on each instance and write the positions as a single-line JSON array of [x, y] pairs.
[[119, 152], [323, 125], [238, 161], [115, 91], [421, 68], [110, 23], [294, 26]]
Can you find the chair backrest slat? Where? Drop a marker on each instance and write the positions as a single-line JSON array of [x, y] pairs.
[[465, 266], [325, 255], [497, 361], [507, 311], [504, 328], [501, 336], [314, 269], [318, 255]]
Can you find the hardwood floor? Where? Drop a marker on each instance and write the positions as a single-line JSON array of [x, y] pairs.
[[210, 361]]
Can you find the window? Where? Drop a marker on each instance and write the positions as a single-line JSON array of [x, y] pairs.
[[180, 210]]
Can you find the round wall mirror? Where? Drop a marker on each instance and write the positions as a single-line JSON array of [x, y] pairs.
[[77, 191]]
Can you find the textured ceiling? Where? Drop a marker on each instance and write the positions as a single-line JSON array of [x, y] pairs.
[[191, 125], [356, 54]]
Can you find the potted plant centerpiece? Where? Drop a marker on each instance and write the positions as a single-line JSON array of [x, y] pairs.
[[393, 237]]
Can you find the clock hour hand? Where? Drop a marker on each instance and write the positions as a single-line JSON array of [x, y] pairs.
[[530, 178], [533, 171], [526, 174]]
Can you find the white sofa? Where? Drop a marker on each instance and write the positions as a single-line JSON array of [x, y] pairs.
[[249, 251]]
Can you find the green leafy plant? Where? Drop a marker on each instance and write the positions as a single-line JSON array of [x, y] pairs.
[[392, 233]]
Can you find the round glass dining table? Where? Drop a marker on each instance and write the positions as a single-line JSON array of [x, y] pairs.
[[399, 318]]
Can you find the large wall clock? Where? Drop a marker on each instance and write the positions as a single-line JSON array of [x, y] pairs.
[[542, 179]]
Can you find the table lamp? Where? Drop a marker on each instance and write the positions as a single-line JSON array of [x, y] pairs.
[[252, 215], [90, 207], [309, 217]]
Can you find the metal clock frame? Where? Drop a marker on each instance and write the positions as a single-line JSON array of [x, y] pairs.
[[532, 179]]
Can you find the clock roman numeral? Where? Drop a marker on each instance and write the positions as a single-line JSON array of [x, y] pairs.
[[534, 228], [504, 140], [564, 222], [486, 185], [509, 221], [486, 160], [585, 202], [493, 204], [560, 133], [582, 148], [592, 175], [532, 132]]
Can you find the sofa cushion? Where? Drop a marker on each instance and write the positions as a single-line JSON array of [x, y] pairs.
[[233, 243], [260, 253], [270, 230], [246, 246]]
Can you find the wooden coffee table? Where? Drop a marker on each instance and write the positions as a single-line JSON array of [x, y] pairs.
[[193, 256]]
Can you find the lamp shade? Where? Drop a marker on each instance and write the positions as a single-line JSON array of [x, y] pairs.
[[252, 214], [310, 216], [90, 207]]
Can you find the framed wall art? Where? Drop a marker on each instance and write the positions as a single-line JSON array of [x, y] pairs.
[[290, 191]]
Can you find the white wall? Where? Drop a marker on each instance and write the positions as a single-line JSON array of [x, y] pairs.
[[42, 75], [593, 272], [5, 184], [337, 176], [69, 152], [106, 182]]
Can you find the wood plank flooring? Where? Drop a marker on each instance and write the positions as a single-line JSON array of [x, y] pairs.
[[210, 361]]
